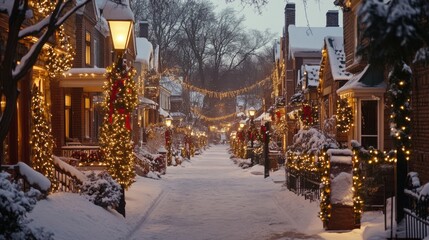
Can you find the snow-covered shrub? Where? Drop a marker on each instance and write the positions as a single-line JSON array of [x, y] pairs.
[[102, 190], [311, 141], [14, 205]]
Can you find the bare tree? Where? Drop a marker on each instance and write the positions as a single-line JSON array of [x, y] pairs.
[[165, 18], [12, 69], [197, 26]]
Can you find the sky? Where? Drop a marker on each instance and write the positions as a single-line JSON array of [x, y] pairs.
[[272, 15], [209, 197]]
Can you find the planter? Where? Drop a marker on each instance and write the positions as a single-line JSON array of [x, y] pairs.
[[342, 218]]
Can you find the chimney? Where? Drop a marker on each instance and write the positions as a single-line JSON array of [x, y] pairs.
[[289, 15], [332, 18], [143, 29]]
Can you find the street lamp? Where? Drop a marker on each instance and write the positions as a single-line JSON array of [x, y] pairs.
[[121, 20], [168, 139], [252, 112]]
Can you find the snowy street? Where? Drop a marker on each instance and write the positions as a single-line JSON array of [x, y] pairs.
[[213, 200], [209, 197]]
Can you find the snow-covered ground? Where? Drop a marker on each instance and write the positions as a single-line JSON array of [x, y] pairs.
[[207, 198]]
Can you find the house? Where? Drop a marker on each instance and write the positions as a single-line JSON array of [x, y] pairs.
[[78, 94], [332, 76], [146, 64], [365, 91], [302, 46], [176, 108]]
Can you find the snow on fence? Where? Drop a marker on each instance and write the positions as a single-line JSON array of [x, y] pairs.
[[69, 177], [28, 177]]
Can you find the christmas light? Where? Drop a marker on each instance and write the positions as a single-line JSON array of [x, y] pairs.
[[115, 138], [42, 141], [344, 116], [60, 57]]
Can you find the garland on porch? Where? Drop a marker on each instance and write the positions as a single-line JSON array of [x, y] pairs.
[[115, 138], [344, 115], [42, 141]]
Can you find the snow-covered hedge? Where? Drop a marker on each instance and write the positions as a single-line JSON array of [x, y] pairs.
[[14, 205], [102, 190]]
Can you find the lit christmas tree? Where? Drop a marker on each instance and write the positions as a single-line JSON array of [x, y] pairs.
[[344, 116], [115, 138], [42, 141]]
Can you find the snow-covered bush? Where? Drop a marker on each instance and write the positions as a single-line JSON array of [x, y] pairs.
[[14, 205], [148, 162], [102, 190], [311, 141]]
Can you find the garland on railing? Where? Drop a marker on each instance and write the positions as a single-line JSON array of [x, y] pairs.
[[227, 94], [370, 156], [325, 191]]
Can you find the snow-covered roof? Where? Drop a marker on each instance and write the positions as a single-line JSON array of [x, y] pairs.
[[337, 59], [174, 86], [144, 51], [312, 72], [177, 115], [264, 116], [91, 79], [368, 78], [146, 101], [305, 39], [163, 113]]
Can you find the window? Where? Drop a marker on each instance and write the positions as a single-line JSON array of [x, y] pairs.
[[88, 48], [95, 53], [87, 116], [67, 115], [369, 123]]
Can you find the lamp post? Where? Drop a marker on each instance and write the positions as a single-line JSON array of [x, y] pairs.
[[121, 20], [252, 112], [242, 140], [168, 139]]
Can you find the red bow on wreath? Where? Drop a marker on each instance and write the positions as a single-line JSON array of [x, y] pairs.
[[306, 113]]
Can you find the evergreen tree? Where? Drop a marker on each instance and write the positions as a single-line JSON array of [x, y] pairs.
[[115, 138], [42, 141]]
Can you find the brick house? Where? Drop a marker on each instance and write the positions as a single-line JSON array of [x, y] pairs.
[[78, 94], [302, 46], [332, 76], [16, 146]]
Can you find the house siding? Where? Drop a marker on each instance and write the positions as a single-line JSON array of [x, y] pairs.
[[420, 126]]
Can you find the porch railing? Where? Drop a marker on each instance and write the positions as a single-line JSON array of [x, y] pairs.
[[27, 178], [68, 176], [67, 151]]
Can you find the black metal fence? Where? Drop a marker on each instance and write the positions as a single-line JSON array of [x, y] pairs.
[[416, 216], [306, 184]]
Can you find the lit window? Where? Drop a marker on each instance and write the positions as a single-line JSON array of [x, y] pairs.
[[67, 115], [88, 48], [87, 116]]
